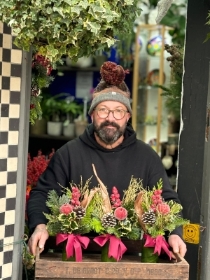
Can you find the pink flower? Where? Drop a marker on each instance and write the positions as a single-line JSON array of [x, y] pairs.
[[66, 209], [163, 208], [120, 213]]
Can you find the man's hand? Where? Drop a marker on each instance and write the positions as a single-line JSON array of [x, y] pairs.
[[38, 238], [177, 244]]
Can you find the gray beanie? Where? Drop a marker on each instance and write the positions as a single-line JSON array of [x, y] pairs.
[[110, 94]]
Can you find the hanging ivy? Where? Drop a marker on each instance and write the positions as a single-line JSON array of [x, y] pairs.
[[41, 78], [68, 27]]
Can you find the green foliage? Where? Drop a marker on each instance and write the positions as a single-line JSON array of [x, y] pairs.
[[208, 23], [130, 194], [165, 220], [174, 91], [177, 21], [54, 201], [35, 109], [57, 106], [40, 78], [71, 27], [129, 226], [97, 226], [63, 216]]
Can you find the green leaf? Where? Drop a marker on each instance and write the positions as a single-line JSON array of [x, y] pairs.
[[70, 27]]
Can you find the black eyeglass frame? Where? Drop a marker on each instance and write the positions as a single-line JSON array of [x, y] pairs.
[[108, 112]]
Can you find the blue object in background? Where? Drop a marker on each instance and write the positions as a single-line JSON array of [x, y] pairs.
[[67, 82]]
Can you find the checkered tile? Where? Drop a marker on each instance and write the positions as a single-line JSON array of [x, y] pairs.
[[10, 90]]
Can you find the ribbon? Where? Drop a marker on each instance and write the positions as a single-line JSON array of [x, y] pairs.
[[116, 246], [74, 244], [159, 243]]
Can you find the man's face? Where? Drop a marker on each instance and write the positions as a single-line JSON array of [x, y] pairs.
[[109, 129]]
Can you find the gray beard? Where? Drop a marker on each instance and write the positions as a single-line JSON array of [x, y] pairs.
[[107, 135]]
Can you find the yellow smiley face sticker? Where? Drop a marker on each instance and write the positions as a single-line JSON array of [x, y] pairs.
[[191, 233]]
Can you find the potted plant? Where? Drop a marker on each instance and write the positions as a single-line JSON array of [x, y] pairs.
[[71, 110], [53, 111]]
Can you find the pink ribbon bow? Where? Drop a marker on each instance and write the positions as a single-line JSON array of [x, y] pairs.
[[159, 243], [74, 244], [116, 246]]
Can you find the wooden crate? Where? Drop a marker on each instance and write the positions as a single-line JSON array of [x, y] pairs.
[[50, 267]]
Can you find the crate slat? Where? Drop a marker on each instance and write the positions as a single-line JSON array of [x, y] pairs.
[[52, 267]]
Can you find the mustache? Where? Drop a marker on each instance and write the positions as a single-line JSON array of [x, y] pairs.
[[106, 123]]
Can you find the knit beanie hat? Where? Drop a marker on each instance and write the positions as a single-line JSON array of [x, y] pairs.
[[112, 86]]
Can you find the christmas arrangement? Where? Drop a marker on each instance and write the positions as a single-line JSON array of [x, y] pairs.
[[157, 217], [113, 218], [69, 218]]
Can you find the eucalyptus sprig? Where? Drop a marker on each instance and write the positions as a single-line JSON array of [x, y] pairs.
[[72, 27]]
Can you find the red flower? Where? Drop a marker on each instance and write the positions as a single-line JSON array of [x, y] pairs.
[[163, 208], [36, 166], [66, 209], [115, 198], [120, 213]]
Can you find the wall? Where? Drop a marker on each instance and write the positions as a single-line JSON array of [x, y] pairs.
[[13, 140]]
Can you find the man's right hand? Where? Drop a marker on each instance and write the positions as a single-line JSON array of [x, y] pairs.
[[38, 239]]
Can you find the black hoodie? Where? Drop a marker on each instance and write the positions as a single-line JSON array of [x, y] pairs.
[[114, 167]]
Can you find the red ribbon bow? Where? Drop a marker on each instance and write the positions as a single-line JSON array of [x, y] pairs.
[[116, 246], [74, 244], [159, 243]]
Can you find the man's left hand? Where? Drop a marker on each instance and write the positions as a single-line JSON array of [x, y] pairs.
[[177, 244]]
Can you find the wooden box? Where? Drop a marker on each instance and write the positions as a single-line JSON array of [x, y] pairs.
[[50, 266]]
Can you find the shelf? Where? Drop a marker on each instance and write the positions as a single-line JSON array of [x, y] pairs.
[[46, 136], [148, 87], [85, 69]]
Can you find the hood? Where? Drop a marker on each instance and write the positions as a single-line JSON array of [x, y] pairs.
[[88, 138]]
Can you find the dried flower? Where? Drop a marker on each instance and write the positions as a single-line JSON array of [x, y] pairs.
[[120, 213], [66, 209], [163, 208]]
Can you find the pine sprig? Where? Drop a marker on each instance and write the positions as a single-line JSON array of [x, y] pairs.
[[54, 201]]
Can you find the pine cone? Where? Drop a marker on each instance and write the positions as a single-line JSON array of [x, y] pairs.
[[109, 220], [80, 212], [149, 217]]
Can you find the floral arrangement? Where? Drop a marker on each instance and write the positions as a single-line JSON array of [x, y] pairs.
[[36, 166], [113, 218], [41, 78], [157, 217], [70, 217]]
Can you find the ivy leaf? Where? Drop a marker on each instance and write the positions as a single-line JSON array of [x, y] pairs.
[[50, 26]]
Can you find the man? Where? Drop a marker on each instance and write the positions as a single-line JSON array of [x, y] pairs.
[[111, 145]]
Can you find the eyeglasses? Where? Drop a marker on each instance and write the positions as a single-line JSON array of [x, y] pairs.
[[118, 114]]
